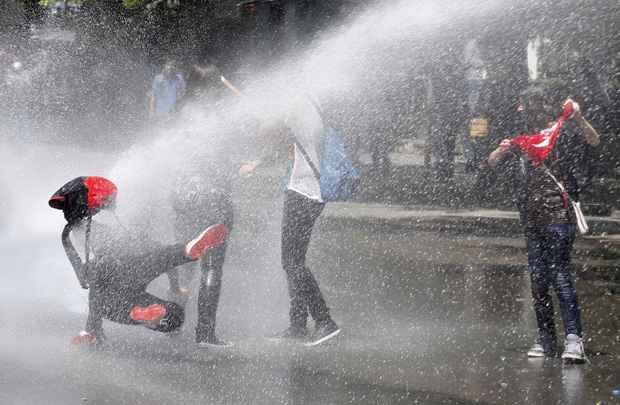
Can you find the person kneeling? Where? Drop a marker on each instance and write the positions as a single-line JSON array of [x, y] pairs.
[[122, 264]]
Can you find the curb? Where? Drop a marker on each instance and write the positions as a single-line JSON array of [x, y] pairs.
[[478, 222]]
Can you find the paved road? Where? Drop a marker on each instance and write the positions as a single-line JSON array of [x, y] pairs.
[[428, 318]]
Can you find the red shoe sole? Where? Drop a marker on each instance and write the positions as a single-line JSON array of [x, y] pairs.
[[212, 237], [151, 313]]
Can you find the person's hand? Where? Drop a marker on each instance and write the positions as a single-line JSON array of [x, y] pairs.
[[571, 108], [504, 145], [85, 339], [248, 168]]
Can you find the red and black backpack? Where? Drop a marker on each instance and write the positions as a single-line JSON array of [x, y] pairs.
[[83, 197]]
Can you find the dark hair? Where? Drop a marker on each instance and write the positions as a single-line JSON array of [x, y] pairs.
[[551, 91]]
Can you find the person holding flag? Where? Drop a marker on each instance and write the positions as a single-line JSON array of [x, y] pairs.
[[551, 157]]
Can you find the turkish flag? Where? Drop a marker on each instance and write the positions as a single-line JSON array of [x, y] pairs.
[[538, 146]]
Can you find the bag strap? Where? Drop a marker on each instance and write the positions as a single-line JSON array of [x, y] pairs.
[[303, 152], [565, 196], [555, 180]]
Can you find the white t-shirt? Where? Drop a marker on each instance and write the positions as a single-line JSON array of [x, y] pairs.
[[306, 124]]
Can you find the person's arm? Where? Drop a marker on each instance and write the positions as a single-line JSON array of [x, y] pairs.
[[182, 86], [270, 132], [500, 153], [74, 257], [592, 137], [93, 333]]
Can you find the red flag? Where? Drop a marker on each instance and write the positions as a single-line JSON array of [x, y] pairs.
[[538, 146]]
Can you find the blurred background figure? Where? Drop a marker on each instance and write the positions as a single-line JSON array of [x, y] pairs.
[[166, 92]]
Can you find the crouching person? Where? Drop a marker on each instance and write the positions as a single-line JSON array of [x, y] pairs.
[[118, 266]]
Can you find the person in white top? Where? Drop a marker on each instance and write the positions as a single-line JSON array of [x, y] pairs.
[[302, 206]]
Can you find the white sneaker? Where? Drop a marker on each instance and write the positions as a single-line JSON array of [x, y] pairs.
[[536, 351], [573, 349]]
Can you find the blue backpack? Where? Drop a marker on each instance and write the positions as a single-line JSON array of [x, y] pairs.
[[338, 177]]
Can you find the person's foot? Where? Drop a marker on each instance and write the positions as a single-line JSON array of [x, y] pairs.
[[150, 316], [323, 332], [292, 333], [573, 349], [537, 351], [210, 238], [214, 342]]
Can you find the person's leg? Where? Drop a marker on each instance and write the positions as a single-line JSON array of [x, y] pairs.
[[296, 232], [537, 246], [209, 294], [314, 298], [137, 307], [144, 267], [300, 214], [217, 207], [563, 236]]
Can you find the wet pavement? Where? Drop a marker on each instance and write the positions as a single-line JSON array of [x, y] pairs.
[[427, 317]]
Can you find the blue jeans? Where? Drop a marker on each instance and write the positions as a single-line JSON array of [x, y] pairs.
[[548, 251]]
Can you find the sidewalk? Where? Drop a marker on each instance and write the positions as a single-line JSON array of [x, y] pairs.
[[479, 221]]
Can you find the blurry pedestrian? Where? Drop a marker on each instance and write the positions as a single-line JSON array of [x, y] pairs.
[[166, 92], [551, 159], [122, 264], [18, 101], [303, 205], [203, 196]]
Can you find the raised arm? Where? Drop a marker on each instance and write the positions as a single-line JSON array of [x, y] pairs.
[[498, 154], [591, 136]]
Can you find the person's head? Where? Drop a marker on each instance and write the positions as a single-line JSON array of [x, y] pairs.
[[169, 69], [83, 197], [542, 103]]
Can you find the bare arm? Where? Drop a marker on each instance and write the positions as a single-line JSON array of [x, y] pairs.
[[592, 137], [498, 154]]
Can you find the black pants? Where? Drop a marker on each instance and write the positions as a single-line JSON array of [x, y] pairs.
[[299, 216], [212, 207], [117, 284]]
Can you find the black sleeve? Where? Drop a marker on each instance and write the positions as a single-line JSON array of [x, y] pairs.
[[73, 256]]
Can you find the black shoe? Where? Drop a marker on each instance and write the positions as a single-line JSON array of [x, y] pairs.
[[292, 333], [323, 332]]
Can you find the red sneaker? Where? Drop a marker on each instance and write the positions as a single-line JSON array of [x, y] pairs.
[[151, 314], [210, 238]]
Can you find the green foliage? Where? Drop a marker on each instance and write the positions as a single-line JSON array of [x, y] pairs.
[[133, 3]]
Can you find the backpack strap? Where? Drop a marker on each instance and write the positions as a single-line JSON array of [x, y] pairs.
[[302, 150]]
